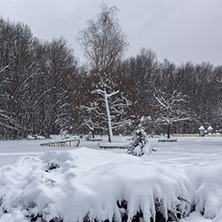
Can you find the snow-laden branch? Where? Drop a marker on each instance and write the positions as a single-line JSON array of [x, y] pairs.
[[160, 102], [6, 125], [58, 117], [2, 70], [120, 124], [23, 84], [104, 93], [36, 102], [9, 119], [89, 124], [177, 100], [112, 94], [62, 106], [181, 119]]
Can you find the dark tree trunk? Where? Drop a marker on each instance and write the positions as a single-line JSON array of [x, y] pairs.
[[168, 131], [109, 138], [93, 133]]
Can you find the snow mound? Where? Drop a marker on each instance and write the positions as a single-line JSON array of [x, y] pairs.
[[90, 185]]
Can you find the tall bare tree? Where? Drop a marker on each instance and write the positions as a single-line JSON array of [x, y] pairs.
[[103, 43]]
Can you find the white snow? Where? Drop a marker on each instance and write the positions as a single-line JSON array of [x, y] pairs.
[[87, 182], [210, 128], [201, 128]]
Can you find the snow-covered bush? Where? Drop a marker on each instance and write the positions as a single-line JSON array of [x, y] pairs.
[[64, 134], [140, 144], [91, 185], [89, 136]]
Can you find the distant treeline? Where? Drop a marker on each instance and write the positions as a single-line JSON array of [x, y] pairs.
[[43, 88]]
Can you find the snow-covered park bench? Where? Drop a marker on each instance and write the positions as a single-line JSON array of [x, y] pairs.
[[63, 143], [113, 146], [167, 140], [95, 139], [90, 138]]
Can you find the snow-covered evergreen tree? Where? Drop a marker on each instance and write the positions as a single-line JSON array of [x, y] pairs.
[[140, 144]]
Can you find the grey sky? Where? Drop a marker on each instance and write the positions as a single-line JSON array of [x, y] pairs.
[[179, 30]]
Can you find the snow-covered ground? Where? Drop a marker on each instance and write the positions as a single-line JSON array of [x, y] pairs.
[[87, 182]]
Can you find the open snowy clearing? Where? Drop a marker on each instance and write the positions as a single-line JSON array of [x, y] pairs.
[[89, 183]]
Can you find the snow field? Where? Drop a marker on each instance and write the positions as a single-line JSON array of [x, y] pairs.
[[84, 184]]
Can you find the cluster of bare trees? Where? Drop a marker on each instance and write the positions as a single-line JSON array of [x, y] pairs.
[[43, 89], [37, 82], [156, 87]]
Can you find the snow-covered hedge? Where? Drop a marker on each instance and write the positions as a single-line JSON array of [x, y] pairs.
[[90, 185]]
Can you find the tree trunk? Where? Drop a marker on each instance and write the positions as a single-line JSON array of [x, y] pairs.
[[93, 133], [47, 133], [110, 132], [168, 131]]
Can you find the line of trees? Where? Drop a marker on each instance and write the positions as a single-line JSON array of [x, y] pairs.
[[43, 87]]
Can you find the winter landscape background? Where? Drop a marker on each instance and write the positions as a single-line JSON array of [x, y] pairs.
[[45, 90]]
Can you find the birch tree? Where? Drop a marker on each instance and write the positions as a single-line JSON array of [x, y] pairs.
[[103, 43]]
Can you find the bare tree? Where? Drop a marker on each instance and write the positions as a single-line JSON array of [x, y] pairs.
[[94, 114], [16, 65], [58, 85], [103, 43], [171, 108]]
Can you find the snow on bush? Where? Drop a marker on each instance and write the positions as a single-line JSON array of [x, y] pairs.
[[140, 144], [90, 185], [205, 188]]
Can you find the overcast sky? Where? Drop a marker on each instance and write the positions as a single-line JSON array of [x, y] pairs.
[[178, 30]]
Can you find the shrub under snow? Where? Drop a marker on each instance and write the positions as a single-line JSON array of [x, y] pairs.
[[140, 144], [90, 185]]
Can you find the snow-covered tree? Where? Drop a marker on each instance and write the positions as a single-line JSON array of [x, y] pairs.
[[89, 120], [16, 65], [94, 115], [140, 144], [171, 108], [104, 42], [59, 67]]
